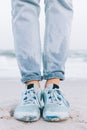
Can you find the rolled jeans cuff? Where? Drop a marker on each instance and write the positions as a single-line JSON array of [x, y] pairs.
[[50, 75], [31, 77]]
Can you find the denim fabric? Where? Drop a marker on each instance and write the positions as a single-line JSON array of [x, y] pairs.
[[26, 32]]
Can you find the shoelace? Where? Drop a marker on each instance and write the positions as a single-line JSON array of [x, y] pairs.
[[30, 97], [55, 96]]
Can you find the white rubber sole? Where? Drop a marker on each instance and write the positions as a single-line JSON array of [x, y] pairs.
[[26, 117], [56, 118]]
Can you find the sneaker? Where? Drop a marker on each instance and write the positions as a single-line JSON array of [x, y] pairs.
[[56, 107], [29, 108]]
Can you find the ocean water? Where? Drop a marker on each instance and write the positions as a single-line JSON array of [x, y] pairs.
[[76, 65]]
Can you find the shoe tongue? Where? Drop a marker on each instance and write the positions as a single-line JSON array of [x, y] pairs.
[[30, 86], [53, 86]]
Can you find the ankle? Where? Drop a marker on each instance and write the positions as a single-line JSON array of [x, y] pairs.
[[53, 81], [33, 82]]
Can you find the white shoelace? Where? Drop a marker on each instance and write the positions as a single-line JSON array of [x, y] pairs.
[[30, 97], [54, 96]]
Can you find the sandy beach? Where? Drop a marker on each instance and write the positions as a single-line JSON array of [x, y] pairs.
[[74, 89]]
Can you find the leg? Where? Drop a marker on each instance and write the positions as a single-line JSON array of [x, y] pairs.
[[25, 23], [58, 25], [28, 51]]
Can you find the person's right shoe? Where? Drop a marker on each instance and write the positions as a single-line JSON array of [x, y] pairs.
[[29, 108], [56, 107]]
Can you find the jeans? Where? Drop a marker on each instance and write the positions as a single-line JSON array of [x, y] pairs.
[[27, 43]]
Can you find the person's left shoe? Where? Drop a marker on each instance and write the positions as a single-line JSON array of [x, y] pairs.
[[56, 107]]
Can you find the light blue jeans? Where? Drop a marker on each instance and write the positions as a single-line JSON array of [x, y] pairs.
[[25, 24]]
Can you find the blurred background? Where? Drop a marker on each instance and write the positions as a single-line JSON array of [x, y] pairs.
[[76, 65]]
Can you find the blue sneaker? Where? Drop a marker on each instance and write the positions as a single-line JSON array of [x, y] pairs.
[[56, 107], [29, 108]]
